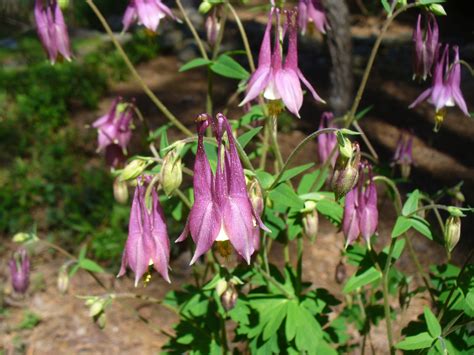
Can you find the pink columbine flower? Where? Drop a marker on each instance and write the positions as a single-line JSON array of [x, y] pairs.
[[147, 13], [446, 86], [147, 242], [274, 79], [312, 11], [361, 215], [52, 29], [327, 141], [115, 127], [403, 155], [426, 45], [222, 210], [20, 271]]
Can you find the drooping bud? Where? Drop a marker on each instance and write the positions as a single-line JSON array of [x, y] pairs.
[[205, 7], [403, 155], [120, 191], [133, 169], [341, 273], [345, 173], [171, 175], [229, 297], [310, 220], [63, 279], [256, 196], [452, 232], [20, 271], [212, 27]]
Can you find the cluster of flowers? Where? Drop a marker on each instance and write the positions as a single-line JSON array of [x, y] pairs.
[[433, 58]]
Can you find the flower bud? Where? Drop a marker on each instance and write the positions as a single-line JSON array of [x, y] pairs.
[[346, 173], [344, 145], [256, 196], [452, 232], [229, 297], [120, 191], [63, 280], [133, 169], [171, 175], [341, 273], [205, 7], [63, 4], [310, 220], [221, 286], [20, 271], [212, 27]]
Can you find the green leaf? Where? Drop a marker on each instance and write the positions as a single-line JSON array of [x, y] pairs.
[[402, 224], [245, 138], [228, 67], [195, 63], [422, 226], [82, 253], [419, 341], [411, 205], [365, 111], [428, 2], [277, 315], [330, 209], [90, 265], [291, 173], [386, 6], [358, 280], [266, 179], [284, 195], [292, 320], [433, 325]]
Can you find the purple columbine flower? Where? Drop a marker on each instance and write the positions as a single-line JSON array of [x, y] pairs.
[[274, 79], [426, 45], [312, 11], [446, 86], [52, 29], [403, 155], [147, 13], [222, 210], [327, 141], [20, 271], [115, 127], [147, 242], [361, 215]]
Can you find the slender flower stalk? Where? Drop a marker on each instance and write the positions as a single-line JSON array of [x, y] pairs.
[[222, 210], [147, 242], [19, 266], [52, 30], [273, 78], [148, 13]]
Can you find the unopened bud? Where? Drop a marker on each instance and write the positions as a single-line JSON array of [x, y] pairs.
[[171, 175], [205, 7], [346, 173], [120, 191], [341, 273], [20, 271], [256, 196], [212, 27], [452, 232], [63, 280], [229, 297], [310, 220], [437, 9], [221, 286], [22, 237], [133, 169], [63, 4], [344, 145]]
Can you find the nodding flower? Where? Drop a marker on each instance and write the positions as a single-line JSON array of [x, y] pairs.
[[222, 211], [147, 243], [312, 11], [360, 210], [115, 130], [273, 78], [20, 271], [426, 45], [403, 155], [327, 141], [52, 29], [445, 90], [147, 13]]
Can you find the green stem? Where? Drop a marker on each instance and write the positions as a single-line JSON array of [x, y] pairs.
[[274, 139], [209, 105], [243, 34], [265, 145], [386, 304], [366, 141], [192, 29], [274, 282], [299, 265], [135, 74], [350, 118], [183, 198], [297, 150]]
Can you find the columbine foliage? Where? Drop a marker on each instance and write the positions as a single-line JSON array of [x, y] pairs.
[[235, 212]]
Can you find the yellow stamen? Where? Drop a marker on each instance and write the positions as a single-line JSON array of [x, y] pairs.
[[224, 248], [439, 118]]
